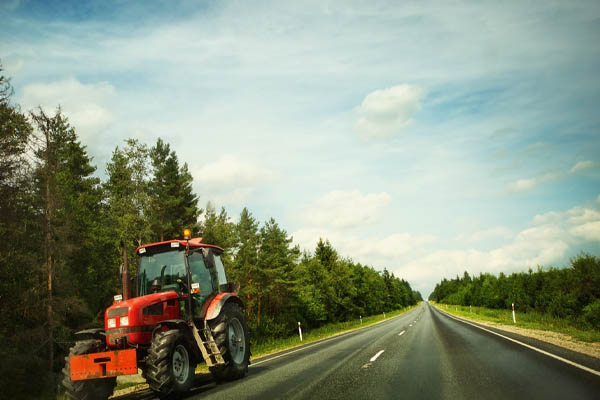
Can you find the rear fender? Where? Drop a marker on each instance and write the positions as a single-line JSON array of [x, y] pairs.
[[170, 324], [217, 303]]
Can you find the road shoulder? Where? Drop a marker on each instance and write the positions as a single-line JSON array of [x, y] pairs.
[[538, 339]]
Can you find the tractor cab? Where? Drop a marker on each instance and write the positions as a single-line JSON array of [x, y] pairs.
[[164, 267]]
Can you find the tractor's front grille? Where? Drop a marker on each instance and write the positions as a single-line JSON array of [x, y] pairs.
[[117, 312]]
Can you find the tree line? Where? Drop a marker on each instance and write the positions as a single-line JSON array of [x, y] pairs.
[[281, 285], [65, 233], [572, 292]]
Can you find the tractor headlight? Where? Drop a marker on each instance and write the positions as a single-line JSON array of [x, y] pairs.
[[112, 323], [124, 321]]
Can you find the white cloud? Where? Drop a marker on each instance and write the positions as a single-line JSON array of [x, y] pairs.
[[522, 185], [582, 166], [589, 231], [230, 180], [387, 112], [546, 242], [500, 231], [547, 218], [584, 223], [86, 105], [379, 252], [531, 247], [232, 171], [339, 209], [581, 215]]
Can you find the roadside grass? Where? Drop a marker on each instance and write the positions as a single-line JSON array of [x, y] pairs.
[[270, 346], [133, 386], [529, 320]]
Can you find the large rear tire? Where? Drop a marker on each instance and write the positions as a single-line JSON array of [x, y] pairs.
[[230, 332], [170, 365], [91, 389]]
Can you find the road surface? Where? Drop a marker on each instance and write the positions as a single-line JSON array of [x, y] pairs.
[[423, 354]]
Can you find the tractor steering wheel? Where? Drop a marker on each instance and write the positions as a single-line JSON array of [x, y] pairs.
[[182, 286]]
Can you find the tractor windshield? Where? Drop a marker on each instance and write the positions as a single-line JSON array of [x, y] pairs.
[[159, 272]]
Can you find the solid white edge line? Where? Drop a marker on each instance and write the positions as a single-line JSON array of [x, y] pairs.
[[401, 333], [376, 355], [574, 364]]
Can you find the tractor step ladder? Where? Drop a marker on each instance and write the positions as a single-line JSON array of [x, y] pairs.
[[210, 351]]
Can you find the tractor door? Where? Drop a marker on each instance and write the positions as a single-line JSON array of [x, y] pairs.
[[223, 286], [203, 276]]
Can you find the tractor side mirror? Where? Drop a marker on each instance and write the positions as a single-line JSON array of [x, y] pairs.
[[132, 288], [234, 287]]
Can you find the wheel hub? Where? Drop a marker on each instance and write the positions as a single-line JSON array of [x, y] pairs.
[[237, 345], [180, 363]]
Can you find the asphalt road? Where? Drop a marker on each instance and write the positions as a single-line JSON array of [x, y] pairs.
[[422, 354]]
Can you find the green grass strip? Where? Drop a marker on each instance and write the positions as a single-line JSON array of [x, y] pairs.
[[270, 346], [529, 320]]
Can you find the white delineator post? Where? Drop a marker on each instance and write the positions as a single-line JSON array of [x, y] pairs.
[[470, 309], [300, 330], [384, 315], [360, 316], [513, 310]]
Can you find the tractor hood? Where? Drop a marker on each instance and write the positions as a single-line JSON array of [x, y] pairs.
[[135, 319]]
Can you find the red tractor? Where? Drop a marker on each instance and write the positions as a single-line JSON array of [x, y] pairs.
[[185, 312]]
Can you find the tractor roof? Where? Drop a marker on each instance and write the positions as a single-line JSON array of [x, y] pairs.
[[194, 243]]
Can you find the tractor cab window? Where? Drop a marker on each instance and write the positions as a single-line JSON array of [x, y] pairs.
[[159, 272], [201, 275], [220, 273]]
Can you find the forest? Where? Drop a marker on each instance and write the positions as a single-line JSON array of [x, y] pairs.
[[65, 232], [571, 293]]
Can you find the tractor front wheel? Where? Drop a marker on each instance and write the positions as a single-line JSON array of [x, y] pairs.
[[90, 389], [230, 332], [170, 365]]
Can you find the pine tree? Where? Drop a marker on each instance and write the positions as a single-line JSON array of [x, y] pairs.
[[174, 206], [276, 258], [244, 266], [72, 220], [127, 200]]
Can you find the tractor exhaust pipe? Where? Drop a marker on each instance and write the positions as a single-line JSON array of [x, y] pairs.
[[125, 273]]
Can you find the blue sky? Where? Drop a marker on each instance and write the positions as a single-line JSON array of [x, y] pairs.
[[425, 139]]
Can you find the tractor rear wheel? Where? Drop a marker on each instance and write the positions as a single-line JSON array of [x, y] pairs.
[[230, 332], [170, 365], [90, 389]]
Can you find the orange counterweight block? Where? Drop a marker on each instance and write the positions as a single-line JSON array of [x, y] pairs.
[[103, 365]]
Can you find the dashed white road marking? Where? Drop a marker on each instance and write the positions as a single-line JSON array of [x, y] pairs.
[[409, 324], [401, 333], [376, 355]]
